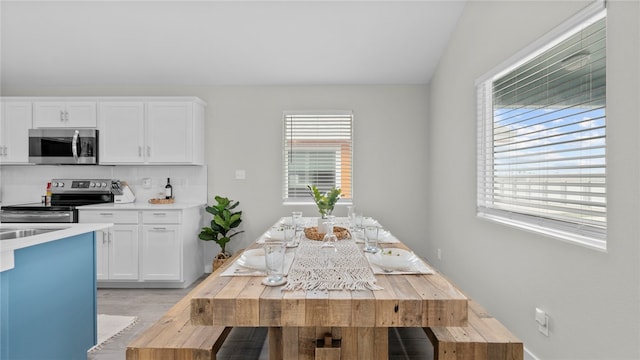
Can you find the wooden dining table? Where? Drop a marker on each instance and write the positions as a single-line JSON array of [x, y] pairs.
[[330, 324]]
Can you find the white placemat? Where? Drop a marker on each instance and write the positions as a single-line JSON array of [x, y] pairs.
[[236, 269], [417, 267]]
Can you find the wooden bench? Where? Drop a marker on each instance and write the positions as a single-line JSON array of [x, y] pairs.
[[484, 338], [174, 338]]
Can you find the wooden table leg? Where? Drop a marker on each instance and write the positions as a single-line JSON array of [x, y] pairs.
[[275, 343]]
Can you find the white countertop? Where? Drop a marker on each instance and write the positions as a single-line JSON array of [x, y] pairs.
[[7, 247], [141, 206]]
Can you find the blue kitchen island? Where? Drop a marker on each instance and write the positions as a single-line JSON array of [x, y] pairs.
[[48, 292]]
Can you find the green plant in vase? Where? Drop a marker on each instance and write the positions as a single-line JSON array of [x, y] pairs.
[[326, 201], [224, 221]]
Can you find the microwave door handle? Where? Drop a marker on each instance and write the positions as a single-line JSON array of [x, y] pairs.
[[74, 145]]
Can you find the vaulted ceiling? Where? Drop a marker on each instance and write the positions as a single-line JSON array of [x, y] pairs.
[[216, 42]]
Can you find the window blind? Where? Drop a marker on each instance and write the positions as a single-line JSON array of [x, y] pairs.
[[542, 137], [317, 150]]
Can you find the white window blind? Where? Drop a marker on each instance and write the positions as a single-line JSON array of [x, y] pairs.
[[542, 139], [317, 150]]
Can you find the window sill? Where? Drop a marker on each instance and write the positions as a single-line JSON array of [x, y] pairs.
[[571, 238]]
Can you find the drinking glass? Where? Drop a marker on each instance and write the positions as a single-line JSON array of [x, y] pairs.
[[274, 260], [371, 239], [351, 215], [328, 248], [289, 234], [358, 220], [296, 217]]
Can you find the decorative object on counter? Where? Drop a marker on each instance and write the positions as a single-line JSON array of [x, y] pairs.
[[168, 190], [224, 220], [162, 201], [312, 233]]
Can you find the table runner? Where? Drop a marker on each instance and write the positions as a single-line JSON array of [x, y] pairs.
[[344, 269]]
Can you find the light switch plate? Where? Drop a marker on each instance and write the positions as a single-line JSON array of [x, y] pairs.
[[241, 174]]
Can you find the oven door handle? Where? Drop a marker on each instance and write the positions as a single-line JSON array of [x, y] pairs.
[[74, 145], [38, 215]]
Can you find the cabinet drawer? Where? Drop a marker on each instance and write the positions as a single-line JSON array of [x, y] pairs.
[[161, 217], [109, 216]]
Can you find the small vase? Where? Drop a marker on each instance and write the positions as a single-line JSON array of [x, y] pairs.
[[325, 225]]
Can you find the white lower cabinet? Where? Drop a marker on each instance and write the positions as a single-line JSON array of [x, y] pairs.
[[122, 250], [161, 245], [116, 247], [146, 248], [160, 252]]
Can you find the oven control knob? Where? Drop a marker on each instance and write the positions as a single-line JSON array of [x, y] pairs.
[[92, 184], [60, 184], [104, 185]]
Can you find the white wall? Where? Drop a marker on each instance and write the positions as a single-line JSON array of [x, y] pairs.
[[244, 131], [592, 297]]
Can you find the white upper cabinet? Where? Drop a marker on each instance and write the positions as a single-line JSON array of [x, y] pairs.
[[154, 132], [170, 132], [121, 127], [15, 121], [61, 114]]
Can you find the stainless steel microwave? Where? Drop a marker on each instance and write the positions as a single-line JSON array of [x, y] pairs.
[[63, 146]]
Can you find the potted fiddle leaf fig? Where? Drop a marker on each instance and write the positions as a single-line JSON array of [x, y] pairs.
[[223, 226]]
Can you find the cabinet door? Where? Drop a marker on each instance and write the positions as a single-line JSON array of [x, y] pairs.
[[121, 126], [161, 252], [75, 114], [48, 114], [14, 132], [170, 132], [102, 254], [81, 114], [123, 252]]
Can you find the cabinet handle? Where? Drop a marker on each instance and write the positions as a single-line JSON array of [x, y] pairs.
[[106, 214], [105, 237], [139, 151], [61, 115], [159, 214], [148, 150], [4, 150], [110, 237], [160, 228], [66, 116]]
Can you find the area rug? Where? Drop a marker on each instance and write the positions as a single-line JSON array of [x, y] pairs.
[[109, 326]]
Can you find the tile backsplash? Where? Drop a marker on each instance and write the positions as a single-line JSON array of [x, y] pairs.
[[27, 183]]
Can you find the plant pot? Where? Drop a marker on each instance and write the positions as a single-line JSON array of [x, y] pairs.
[[219, 260]]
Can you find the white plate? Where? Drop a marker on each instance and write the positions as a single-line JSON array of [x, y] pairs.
[[367, 221], [252, 259], [393, 259], [274, 234]]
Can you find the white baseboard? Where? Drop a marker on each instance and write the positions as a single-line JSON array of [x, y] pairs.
[[528, 355]]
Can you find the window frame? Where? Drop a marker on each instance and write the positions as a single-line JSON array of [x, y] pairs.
[[572, 233], [338, 176]]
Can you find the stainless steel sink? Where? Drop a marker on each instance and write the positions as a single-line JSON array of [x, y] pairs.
[[12, 233]]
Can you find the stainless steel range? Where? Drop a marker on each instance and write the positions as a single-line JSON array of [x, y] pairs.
[[66, 195]]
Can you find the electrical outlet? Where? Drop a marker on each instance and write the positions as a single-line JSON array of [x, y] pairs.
[[241, 174]]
